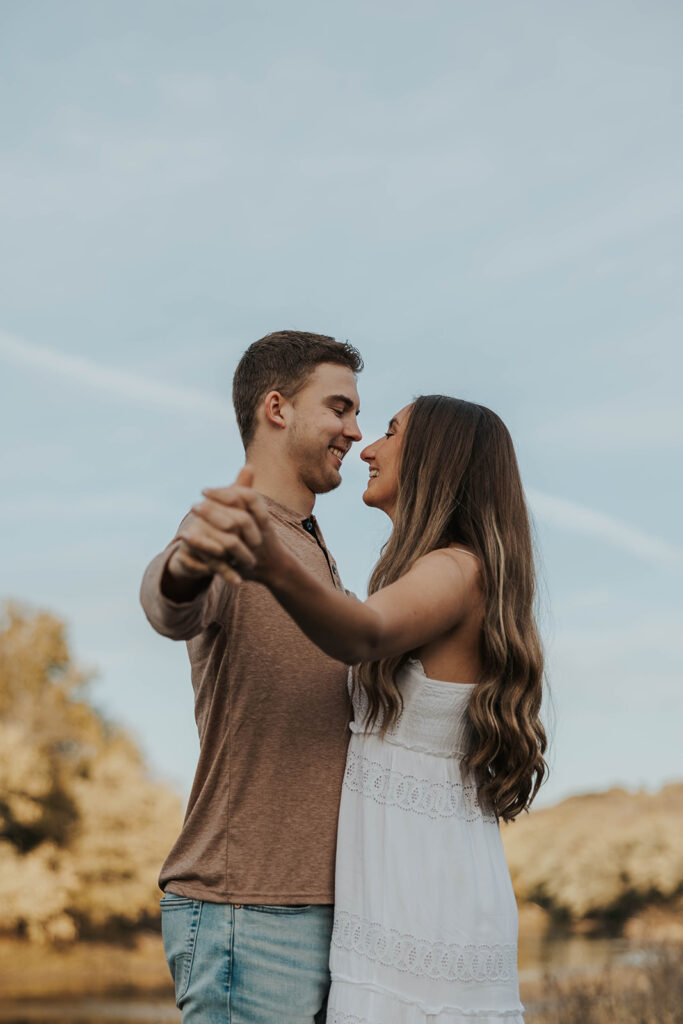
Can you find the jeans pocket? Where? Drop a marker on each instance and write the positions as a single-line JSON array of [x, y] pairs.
[[268, 908], [179, 927]]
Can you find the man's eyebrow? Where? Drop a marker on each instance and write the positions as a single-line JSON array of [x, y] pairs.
[[347, 402]]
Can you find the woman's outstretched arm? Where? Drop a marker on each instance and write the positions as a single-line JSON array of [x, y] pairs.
[[428, 601]]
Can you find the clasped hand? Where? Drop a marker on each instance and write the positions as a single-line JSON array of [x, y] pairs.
[[229, 533]]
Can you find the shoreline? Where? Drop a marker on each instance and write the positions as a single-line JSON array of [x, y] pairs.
[[87, 970], [31, 975]]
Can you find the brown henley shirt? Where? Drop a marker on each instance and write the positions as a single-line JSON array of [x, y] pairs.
[[272, 712]]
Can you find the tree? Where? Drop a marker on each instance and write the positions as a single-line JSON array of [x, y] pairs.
[[83, 829]]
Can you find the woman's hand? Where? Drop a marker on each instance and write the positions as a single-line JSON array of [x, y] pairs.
[[232, 532]]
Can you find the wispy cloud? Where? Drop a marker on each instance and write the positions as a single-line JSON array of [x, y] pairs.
[[121, 384], [576, 518]]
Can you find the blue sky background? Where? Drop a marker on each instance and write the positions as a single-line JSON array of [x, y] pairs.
[[484, 197]]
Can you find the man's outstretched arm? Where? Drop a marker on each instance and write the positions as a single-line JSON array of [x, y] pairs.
[[175, 602], [186, 584]]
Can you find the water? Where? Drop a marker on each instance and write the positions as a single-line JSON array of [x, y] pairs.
[[560, 956], [91, 1011]]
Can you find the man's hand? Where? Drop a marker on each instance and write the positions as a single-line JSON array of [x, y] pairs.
[[229, 533], [238, 520], [218, 536]]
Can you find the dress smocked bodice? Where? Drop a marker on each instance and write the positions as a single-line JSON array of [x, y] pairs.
[[433, 719]]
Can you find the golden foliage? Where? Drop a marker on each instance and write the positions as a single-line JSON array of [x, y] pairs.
[[603, 856], [83, 830]]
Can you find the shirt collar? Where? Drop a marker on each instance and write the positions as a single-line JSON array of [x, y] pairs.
[[285, 514]]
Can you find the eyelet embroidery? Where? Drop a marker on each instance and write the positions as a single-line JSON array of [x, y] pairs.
[[337, 1017], [393, 788], [490, 964]]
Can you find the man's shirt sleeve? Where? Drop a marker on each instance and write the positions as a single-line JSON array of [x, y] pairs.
[[181, 620]]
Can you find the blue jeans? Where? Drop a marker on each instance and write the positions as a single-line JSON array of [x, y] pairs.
[[252, 964]]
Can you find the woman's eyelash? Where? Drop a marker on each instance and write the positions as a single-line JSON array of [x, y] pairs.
[[388, 435]]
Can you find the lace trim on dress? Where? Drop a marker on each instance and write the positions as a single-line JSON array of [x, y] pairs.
[[391, 999], [393, 788], [490, 964], [338, 1017]]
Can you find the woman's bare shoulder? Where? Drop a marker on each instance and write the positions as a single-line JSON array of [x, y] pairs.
[[450, 559]]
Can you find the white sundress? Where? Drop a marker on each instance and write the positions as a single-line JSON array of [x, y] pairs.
[[425, 922]]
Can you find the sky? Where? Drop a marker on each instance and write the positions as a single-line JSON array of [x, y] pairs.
[[486, 199]]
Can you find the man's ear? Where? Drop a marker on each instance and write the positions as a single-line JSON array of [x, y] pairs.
[[274, 408]]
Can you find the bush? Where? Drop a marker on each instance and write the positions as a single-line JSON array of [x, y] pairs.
[[599, 858]]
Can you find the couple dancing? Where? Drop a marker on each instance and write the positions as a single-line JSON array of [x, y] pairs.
[[444, 699]]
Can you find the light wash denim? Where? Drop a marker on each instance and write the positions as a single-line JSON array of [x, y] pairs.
[[254, 964]]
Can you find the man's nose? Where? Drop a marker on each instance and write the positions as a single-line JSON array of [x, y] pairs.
[[352, 430]]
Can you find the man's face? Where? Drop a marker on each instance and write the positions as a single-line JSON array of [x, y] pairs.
[[323, 426]]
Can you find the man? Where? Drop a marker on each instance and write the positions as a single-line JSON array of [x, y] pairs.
[[247, 910]]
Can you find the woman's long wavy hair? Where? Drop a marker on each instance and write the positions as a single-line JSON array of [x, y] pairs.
[[459, 483]]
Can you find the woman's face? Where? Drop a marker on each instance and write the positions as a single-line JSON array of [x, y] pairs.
[[383, 458]]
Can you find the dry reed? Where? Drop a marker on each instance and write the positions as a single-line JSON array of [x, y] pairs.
[[651, 993]]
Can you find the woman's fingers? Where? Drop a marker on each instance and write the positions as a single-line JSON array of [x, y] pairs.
[[257, 508], [208, 540], [229, 520], [233, 496], [237, 494], [245, 477], [232, 525]]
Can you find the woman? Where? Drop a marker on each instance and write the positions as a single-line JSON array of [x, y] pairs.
[[446, 737]]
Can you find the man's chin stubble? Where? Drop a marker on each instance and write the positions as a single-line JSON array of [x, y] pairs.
[[329, 486], [323, 484]]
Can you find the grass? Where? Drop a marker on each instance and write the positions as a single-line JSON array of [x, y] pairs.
[[651, 993]]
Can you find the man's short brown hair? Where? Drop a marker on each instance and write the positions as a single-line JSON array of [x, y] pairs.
[[283, 361]]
